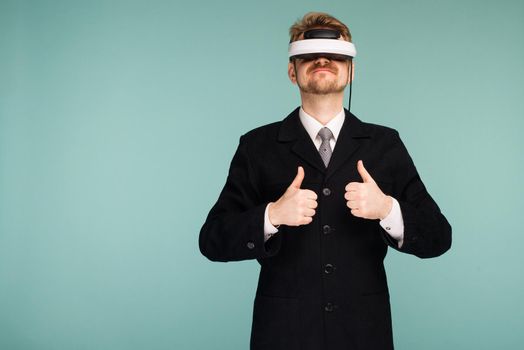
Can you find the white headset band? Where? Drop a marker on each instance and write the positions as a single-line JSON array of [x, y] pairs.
[[340, 47]]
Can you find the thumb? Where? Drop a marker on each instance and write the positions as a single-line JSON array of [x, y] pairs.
[[364, 173], [297, 182]]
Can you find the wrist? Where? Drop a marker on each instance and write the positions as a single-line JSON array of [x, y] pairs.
[[388, 205], [271, 214]]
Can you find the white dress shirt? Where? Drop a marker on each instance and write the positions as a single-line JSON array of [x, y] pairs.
[[393, 223]]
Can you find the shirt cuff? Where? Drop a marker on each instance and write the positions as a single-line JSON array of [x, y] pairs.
[[269, 229], [394, 223]]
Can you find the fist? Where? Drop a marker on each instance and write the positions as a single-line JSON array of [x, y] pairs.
[[296, 206], [365, 199]]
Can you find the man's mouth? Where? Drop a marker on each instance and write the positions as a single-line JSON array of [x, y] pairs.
[[323, 70]]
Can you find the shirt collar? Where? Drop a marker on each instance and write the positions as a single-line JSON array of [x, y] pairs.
[[313, 126]]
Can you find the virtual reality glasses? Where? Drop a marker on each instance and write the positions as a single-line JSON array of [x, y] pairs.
[[322, 43]]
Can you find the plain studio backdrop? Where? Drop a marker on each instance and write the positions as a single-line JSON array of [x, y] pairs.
[[118, 121]]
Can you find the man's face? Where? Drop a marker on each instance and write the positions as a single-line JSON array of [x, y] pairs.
[[320, 76]]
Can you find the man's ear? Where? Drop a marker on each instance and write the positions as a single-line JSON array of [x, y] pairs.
[[291, 73]]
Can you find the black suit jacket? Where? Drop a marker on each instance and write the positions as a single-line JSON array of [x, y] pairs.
[[322, 285]]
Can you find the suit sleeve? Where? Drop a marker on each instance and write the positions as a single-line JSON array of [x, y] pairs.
[[427, 232], [234, 228]]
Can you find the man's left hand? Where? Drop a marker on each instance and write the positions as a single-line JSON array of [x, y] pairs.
[[365, 199]]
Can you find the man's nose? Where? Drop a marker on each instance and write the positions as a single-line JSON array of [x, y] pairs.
[[321, 60]]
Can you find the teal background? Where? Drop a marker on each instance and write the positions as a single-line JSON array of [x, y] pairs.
[[118, 121]]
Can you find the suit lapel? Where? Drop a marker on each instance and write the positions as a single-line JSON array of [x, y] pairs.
[[292, 130], [305, 149], [349, 140]]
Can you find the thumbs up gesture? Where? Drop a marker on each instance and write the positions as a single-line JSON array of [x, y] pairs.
[[365, 199], [296, 206]]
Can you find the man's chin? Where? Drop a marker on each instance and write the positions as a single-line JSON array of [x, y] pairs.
[[323, 91]]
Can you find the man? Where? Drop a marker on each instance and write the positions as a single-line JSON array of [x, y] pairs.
[[317, 199]]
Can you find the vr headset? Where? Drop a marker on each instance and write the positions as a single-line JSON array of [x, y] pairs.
[[323, 43]]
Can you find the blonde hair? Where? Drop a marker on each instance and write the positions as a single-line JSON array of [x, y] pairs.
[[313, 20]]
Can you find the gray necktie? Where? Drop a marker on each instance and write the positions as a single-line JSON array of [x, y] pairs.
[[325, 148]]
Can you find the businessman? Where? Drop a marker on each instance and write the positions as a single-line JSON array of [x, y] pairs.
[[317, 199]]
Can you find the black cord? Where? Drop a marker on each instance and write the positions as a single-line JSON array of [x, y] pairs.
[[350, 83]]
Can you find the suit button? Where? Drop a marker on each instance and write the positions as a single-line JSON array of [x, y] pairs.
[[326, 229], [329, 268], [250, 245], [326, 191], [328, 307]]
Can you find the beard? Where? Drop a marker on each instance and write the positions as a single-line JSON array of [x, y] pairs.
[[321, 85]]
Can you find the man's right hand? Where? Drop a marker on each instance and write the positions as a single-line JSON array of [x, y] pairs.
[[296, 206]]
